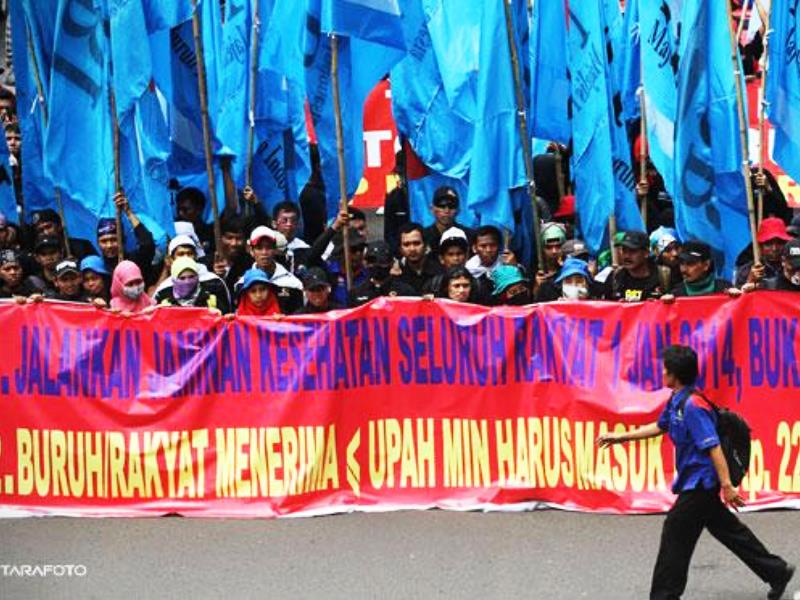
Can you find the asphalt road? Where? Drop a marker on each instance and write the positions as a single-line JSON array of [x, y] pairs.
[[542, 554]]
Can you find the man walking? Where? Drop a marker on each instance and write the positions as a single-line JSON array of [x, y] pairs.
[[701, 475]]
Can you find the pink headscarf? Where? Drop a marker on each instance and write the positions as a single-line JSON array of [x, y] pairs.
[[124, 273]]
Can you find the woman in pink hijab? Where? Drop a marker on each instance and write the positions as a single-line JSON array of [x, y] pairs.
[[127, 289]]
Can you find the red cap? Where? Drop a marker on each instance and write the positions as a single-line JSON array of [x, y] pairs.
[[772, 228], [566, 208]]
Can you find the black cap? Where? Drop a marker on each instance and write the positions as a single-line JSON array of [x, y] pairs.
[[47, 242], [694, 251], [47, 215], [67, 266], [379, 253], [576, 248], [355, 239], [635, 240], [315, 278], [791, 252], [445, 195]]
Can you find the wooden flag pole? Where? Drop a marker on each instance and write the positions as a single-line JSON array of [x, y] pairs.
[[522, 121], [203, 90], [762, 110], [612, 233], [337, 112], [643, 147], [112, 102], [45, 118], [251, 134], [743, 135]]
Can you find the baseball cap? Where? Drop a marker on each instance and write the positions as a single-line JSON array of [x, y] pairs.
[[635, 240], [791, 252], [106, 226], [47, 242], [574, 266], [262, 231], [67, 266], [553, 232], [694, 251], [445, 196], [181, 240], [379, 253], [315, 278], [453, 237], [254, 276], [772, 228], [95, 264], [575, 248], [505, 276], [8, 256], [46, 215]]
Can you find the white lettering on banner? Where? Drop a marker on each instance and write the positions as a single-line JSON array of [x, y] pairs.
[[373, 141]]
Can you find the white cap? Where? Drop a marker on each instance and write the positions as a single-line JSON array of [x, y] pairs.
[[263, 231], [182, 240], [185, 228], [453, 233]]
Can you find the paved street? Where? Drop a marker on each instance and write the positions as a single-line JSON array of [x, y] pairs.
[[543, 554]]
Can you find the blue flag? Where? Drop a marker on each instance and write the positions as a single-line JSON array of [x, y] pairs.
[[441, 138], [659, 24], [550, 86], [371, 20], [420, 194], [632, 69], [783, 86], [602, 175], [709, 198], [497, 165], [8, 202], [78, 101]]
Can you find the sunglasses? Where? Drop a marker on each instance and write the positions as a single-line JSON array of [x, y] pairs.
[[452, 205]]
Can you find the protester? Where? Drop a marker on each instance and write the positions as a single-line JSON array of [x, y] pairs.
[[702, 475], [191, 203], [13, 281], [232, 259], [47, 224], [286, 220], [263, 247], [68, 282], [697, 270], [444, 208], [417, 265], [487, 253], [378, 260], [186, 289], [458, 285], [574, 280], [637, 279], [108, 242], [553, 236], [47, 254], [788, 278], [127, 289], [185, 246], [510, 286], [317, 291], [666, 248], [96, 279], [453, 252], [258, 296], [771, 238]]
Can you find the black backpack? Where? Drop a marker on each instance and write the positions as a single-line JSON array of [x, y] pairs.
[[734, 438]]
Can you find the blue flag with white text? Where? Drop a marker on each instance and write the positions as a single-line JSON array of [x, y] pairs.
[[710, 202]]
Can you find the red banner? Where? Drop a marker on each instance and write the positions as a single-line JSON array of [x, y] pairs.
[[397, 404]]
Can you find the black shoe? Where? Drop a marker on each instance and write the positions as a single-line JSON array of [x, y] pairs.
[[777, 589]]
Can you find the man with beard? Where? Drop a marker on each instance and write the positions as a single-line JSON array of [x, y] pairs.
[[637, 279]]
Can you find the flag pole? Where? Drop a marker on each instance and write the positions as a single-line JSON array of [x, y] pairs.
[[762, 110], [112, 102], [251, 134], [337, 113], [45, 118], [612, 233], [523, 129], [559, 173], [743, 135], [203, 90], [643, 148]]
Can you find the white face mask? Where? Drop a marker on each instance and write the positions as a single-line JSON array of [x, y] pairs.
[[795, 279], [133, 291], [574, 292]]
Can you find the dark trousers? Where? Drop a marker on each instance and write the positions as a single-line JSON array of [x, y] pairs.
[[692, 511]]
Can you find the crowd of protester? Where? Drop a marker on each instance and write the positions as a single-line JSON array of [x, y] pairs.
[[262, 264]]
